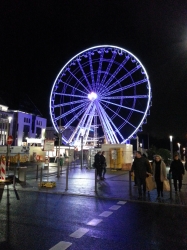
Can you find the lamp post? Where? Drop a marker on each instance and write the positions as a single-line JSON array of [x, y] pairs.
[[179, 145], [8, 133], [171, 146], [184, 152]]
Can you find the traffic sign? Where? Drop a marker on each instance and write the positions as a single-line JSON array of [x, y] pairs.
[[9, 139]]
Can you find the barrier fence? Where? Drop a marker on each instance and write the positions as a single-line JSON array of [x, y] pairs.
[[117, 183]]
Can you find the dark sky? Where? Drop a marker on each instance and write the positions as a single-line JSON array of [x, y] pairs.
[[38, 37]]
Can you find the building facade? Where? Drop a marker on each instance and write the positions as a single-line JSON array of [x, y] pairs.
[[23, 126]]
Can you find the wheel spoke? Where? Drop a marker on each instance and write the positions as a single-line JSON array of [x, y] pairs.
[[125, 97], [99, 69], [117, 129], [70, 95], [79, 81], [77, 131], [106, 123], [68, 103], [75, 117], [85, 77], [108, 69], [134, 84], [69, 112], [91, 71], [121, 106], [125, 120], [73, 87], [117, 71], [124, 77]]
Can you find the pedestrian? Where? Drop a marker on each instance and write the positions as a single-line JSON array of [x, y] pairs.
[[141, 168], [159, 174], [177, 170], [103, 165], [61, 161], [97, 164]]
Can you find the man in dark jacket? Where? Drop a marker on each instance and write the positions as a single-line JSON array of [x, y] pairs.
[[97, 163], [177, 170], [141, 168]]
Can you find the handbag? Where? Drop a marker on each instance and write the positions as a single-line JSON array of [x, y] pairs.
[[166, 185], [150, 183]]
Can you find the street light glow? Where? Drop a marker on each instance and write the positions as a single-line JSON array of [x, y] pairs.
[[170, 137], [10, 119]]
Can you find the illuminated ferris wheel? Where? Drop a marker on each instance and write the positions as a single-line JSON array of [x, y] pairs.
[[103, 91]]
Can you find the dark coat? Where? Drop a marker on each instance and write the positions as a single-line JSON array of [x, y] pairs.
[[97, 160], [177, 169], [140, 166], [103, 160]]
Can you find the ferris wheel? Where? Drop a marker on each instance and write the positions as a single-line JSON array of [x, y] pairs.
[[103, 91]]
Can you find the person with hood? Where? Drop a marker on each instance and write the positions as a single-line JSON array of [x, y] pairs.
[[159, 174], [177, 170], [141, 168]]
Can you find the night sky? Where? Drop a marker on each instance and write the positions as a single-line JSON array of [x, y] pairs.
[[38, 37]]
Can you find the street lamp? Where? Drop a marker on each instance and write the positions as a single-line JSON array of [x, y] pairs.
[[8, 133], [171, 146], [178, 144], [184, 152]]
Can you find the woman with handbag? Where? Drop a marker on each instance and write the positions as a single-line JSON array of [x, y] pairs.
[[159, 174]]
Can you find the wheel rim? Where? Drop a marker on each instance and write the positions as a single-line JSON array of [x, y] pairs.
[[103, 89]]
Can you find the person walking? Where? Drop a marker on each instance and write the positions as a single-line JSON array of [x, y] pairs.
[[103, 165], [61, 159], [97, 163], [159, 174], [177, 170], [141, 168]]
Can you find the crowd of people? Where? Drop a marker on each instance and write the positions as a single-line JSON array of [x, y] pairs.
[[142, 169]]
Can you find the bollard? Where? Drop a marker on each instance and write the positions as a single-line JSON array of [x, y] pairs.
[[37, 172], [58, 170], [130, 187], [95, 180], [14, 178], [41, 173], [67, 173], [170, 178], [48, 172]]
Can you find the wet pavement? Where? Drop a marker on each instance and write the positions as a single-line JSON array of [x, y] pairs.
[[77, 181]]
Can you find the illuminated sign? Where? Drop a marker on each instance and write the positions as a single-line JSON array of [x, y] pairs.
[[49, 145]]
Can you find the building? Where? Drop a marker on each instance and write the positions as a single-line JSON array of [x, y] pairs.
[[27, 123]]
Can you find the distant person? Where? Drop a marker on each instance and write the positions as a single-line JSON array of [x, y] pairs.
[[97, 164], [159, 174], [177, 170], [61, 161], [103, 165], [141, 168]]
